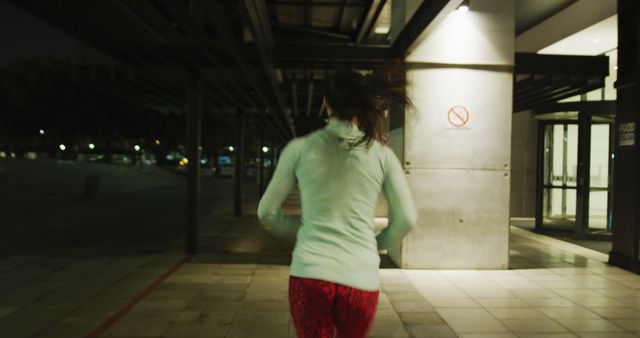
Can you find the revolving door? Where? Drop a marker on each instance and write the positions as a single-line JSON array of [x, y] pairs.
[[575, 163]]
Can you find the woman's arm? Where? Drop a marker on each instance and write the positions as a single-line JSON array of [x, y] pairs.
[[402, 211], [270, 208]]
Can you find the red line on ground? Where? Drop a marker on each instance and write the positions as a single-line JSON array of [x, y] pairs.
[[107, 323]]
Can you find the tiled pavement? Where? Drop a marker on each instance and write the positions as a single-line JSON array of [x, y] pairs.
[[238, 288]]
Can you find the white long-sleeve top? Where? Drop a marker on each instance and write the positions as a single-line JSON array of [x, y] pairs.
[[339, 187]]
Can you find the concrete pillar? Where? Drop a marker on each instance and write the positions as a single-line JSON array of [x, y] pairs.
[[457, 140]]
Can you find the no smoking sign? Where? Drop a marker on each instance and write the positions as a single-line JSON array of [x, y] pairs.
[[458, 117]]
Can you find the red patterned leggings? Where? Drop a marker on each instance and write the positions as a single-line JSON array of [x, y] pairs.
[[318, 307]]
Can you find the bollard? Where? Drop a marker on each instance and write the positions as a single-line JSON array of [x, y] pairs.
[[91, 186]]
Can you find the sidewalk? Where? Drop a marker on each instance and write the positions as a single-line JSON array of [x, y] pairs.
[[237, 287]]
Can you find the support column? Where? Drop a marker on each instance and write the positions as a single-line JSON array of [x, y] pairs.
[[272, 160], [626, 194], [583, 173], [239, 176], [194, 135], [261, 169], [457, 140]]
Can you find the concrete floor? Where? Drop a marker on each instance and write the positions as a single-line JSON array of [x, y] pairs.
[[90, 280]]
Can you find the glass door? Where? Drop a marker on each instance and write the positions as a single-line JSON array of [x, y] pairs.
[[600, 157], [574, 188], [560, 175]]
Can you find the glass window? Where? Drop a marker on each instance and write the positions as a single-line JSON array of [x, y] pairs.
[[599, 176]]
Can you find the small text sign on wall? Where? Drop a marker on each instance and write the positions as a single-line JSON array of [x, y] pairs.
[[627, 134], [458, 117]]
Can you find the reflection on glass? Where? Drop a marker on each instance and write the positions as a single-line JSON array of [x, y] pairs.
[[560, 174], [561, 155], [557, 164], [598, 209], [559, 207], [599, 177], [571, 164]]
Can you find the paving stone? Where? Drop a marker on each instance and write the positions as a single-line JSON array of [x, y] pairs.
[[196, 269], [149, 329], [534, 326], [431, 331], [388, 330], [6, 310], [264, 295], [589, 325], [405, 296], [197, 330], [398, 288], [516, 313], [386, 315], [265, 332], [27, 321], [265, 306], [461, 325], [411, 306], [488, 335], [227, 286], [421, 318], [213, 306], [69, 328], [162, 304], [178, 286], [215, 295], [628, 324], [608, 335]]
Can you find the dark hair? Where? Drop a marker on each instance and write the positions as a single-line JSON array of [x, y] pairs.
[[366, 97]]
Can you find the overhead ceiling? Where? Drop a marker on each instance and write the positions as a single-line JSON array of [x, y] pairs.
[[597, 39], [266, 57], [532, 12]]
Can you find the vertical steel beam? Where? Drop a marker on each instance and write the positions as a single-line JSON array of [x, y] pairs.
[[194, 135], [625, 250], [307, 13], [261, 169], [540, 164], [239, 176], [583, 186], [310, 96], [272, 158]]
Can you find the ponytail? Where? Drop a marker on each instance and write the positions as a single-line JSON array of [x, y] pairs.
[[366, 98]]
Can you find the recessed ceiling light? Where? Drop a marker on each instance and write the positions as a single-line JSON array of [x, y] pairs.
[[464, 6], [382, 29]]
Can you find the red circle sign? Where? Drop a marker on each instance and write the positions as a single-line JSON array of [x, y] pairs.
[[458, 116]]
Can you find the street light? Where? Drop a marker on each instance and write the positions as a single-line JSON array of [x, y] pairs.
[[230, 148], [41, 131], [265, 149], [136, 147], [92, 146], [62, 147]]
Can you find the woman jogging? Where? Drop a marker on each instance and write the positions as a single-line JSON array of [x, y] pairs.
[[340, 171]]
